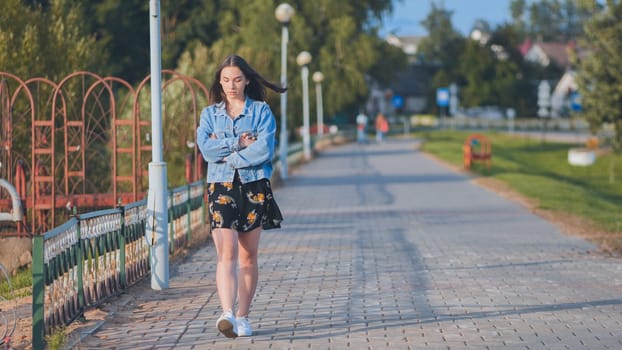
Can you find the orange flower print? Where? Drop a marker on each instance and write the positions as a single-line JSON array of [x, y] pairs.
[[228, 185], [224, 199], [256, 198], [251, 217], [217, 218]]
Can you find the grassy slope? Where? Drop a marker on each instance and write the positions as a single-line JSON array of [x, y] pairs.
[[540, 171]]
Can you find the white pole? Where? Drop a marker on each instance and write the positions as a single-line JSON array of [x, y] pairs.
[[320, 109], [306, 138], [283, 143], [157, 201]]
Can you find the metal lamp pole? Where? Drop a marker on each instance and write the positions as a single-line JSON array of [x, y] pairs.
[[157, 208], [303, 59], [318, 77], [284, 13]]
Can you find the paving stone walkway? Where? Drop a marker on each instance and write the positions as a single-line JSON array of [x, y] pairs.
[[384, 248]]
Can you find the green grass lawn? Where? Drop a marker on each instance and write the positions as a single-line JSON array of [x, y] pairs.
[[19, 287], [540, 170]]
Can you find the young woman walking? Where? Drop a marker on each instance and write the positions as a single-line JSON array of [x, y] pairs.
[[236, 136]]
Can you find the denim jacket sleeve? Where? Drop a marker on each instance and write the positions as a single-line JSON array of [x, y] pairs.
[[262, 150], [213, 150]]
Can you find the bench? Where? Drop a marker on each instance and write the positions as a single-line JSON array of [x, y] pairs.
[[477, 148]]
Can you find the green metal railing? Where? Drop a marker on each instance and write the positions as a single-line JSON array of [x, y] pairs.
[[184, 215], [97, 255]]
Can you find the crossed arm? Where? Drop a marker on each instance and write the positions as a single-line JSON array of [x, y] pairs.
[[239, 151]]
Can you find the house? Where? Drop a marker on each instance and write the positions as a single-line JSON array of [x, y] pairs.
[[558, 54], [547, 53], [563, 93], [408, 44]]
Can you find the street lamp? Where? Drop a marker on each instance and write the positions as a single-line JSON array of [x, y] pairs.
[[303, 59], [318, 77], [284, 13], [157, 212]]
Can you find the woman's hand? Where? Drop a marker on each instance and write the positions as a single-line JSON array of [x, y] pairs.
[[213, 137], [246, 139]]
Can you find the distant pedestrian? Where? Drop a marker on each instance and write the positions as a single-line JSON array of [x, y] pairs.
[[236, 136], [361, 127], [382, 127]]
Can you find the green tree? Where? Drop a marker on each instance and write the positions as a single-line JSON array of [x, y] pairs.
[[554, 20], [340, 35], [46, 41], [51, 40], [520, 88], [493, 71], [443, 42], [517, 12], [123, 27], [544, 18], [478, 66], [441, 50], [599, 74]]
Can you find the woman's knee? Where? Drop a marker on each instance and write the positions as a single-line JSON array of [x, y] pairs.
[[227, 256], [226, 242], [247, 258]]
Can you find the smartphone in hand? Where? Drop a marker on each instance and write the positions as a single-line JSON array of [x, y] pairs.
[[251, 135]]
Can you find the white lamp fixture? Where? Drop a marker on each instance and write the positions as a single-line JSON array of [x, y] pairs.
[[284, 13], [318, 77], [303, 59]]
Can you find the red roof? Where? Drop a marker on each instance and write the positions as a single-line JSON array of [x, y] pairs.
[[557, 52], [524, 47]]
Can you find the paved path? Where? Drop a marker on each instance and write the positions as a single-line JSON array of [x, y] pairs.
[[384, 248]]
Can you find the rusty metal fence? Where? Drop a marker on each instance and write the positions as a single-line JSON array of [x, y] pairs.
[[85, 142]]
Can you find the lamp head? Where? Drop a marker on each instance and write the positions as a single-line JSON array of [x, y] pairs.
[[284, 13], [318, 77], [303, 58]]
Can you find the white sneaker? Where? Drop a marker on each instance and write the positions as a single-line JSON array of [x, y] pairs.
[[244, 327], [226, 324]]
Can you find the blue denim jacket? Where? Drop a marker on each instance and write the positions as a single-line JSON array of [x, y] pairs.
[[253, 162]]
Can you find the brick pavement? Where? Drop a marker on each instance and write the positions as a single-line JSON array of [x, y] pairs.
[[384, 248]]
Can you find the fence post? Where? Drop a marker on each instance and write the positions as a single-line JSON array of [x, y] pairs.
[[171, 222], [38, 291], [121, 237], [80, 267], [189, 214]]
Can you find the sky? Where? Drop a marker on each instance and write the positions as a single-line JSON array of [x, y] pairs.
[[407, 15]]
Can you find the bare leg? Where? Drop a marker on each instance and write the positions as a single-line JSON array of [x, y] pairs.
[[226, 242], [249, 271]]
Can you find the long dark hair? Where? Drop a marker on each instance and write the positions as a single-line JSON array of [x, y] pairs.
[[256, 88]]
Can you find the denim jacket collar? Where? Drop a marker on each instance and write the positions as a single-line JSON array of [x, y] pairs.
[[221, 107]]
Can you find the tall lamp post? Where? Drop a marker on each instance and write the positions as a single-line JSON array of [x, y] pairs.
[[303, 59], [157, 212], [318, 77], [284, 13]]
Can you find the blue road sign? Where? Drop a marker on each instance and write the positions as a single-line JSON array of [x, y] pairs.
[[442, 97], [397, 101], [575, 101]]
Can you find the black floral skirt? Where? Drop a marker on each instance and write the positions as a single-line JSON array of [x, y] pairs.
[[243, 207]]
